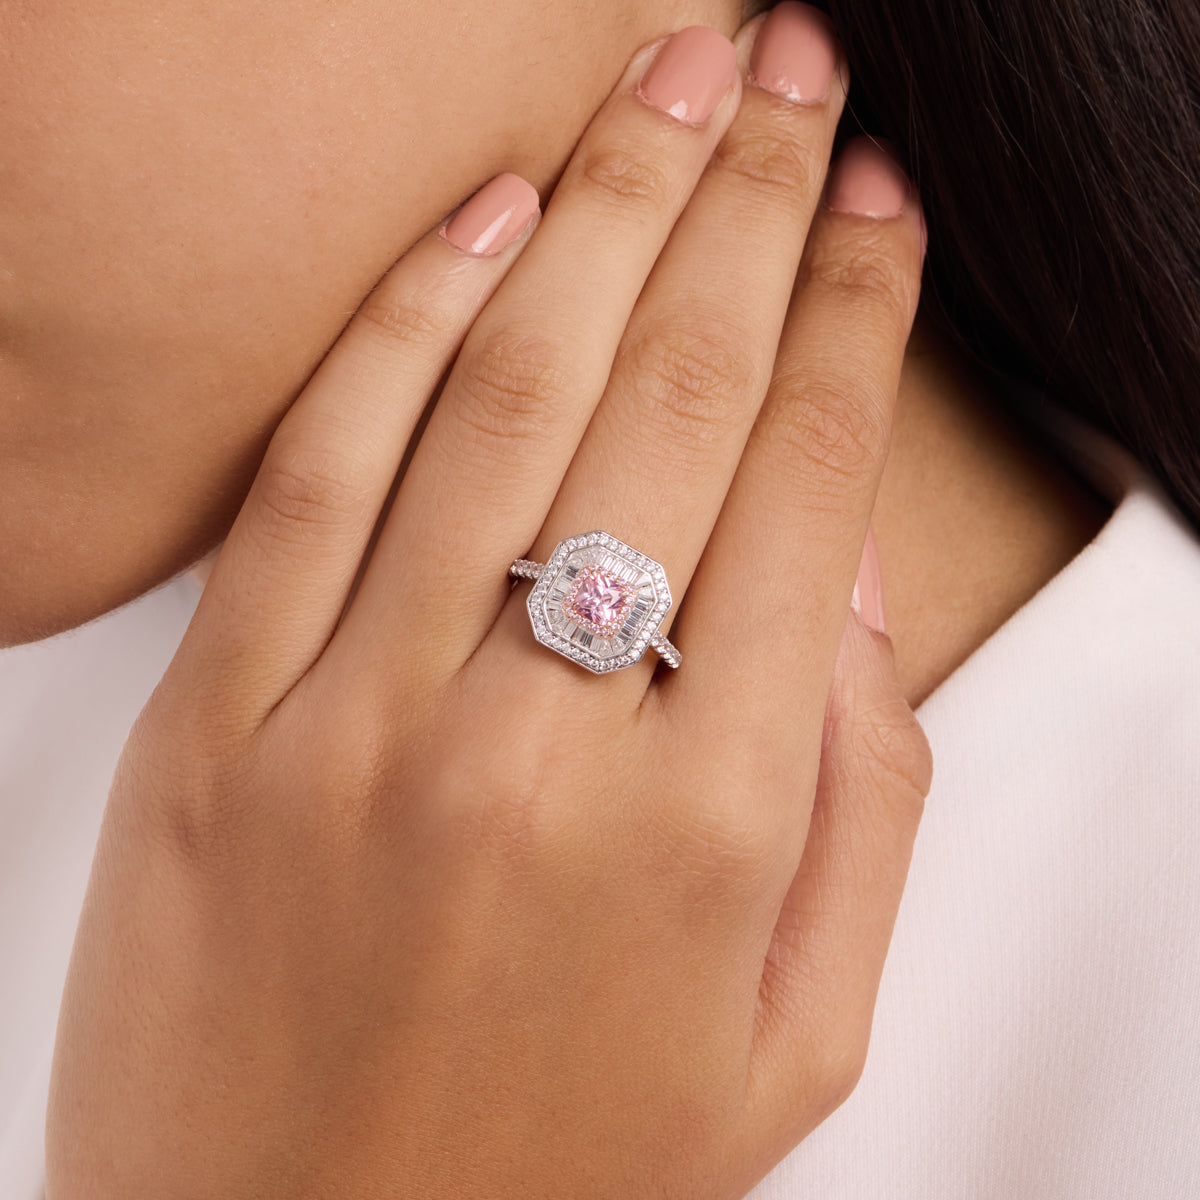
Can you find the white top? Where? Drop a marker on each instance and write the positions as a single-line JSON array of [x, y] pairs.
[[1037, 1032]]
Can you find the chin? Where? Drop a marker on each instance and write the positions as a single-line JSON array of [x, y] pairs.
[[62, 572], [35, 608]]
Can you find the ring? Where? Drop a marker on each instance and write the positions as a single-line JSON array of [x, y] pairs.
[[598, 602]]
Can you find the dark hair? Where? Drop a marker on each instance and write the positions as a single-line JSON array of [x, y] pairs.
[[1056, 148]]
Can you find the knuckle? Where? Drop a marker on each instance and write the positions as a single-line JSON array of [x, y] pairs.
[[620, 172], [711, 845], [839, 433], [505, 820], [497, 794], [513, 384], [867, 279], [403, 322], [695, 374], [769, 161], [894, 749], [304, 492], [839, 1068], [184, 789], [202, 830]]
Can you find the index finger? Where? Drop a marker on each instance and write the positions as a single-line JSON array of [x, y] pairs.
[[287, 566]]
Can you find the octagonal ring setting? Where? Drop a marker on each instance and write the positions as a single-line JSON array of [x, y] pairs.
[[598, 602]]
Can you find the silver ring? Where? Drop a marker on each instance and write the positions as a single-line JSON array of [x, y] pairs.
[[598, 602]]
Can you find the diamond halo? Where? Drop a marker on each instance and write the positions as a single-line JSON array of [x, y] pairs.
[[598, 602]]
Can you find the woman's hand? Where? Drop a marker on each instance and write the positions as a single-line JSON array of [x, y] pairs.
[[390, 900]]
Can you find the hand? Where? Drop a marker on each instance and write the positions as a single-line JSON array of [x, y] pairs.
[[391, 901]]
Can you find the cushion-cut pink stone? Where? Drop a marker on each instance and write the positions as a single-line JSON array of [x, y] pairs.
[[598, 601]]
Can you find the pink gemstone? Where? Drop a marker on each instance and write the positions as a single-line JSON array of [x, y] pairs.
[[598, 601]]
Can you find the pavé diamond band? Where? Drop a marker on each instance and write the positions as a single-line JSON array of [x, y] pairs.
[[598, 602]]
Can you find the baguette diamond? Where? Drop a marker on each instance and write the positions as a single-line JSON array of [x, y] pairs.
[[599, 602]]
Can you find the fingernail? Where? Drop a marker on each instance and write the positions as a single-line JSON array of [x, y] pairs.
[[795, 53], [693, 69], [493, 217], [866, 180], [867, 599]]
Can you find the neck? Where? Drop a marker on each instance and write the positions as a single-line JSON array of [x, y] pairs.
[[973, 515]]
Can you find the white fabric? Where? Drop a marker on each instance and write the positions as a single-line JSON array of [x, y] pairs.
[[1037, 1032]]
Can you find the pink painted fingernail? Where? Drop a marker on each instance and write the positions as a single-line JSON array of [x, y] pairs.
[[690, 73], [866, 180], [867, 599], [795, 53], [493, 217]]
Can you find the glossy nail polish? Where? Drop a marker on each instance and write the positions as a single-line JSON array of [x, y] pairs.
[[795, 53], [866, 180], [867, 599], [493, 217], [690, 73]]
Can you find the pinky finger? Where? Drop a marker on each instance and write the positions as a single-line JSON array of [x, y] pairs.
[[284, 573], [822, 973]]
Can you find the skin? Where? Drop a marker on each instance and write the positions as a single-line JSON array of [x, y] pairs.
[[389, 902], [961, 471], [241, 979], [191, 210]]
